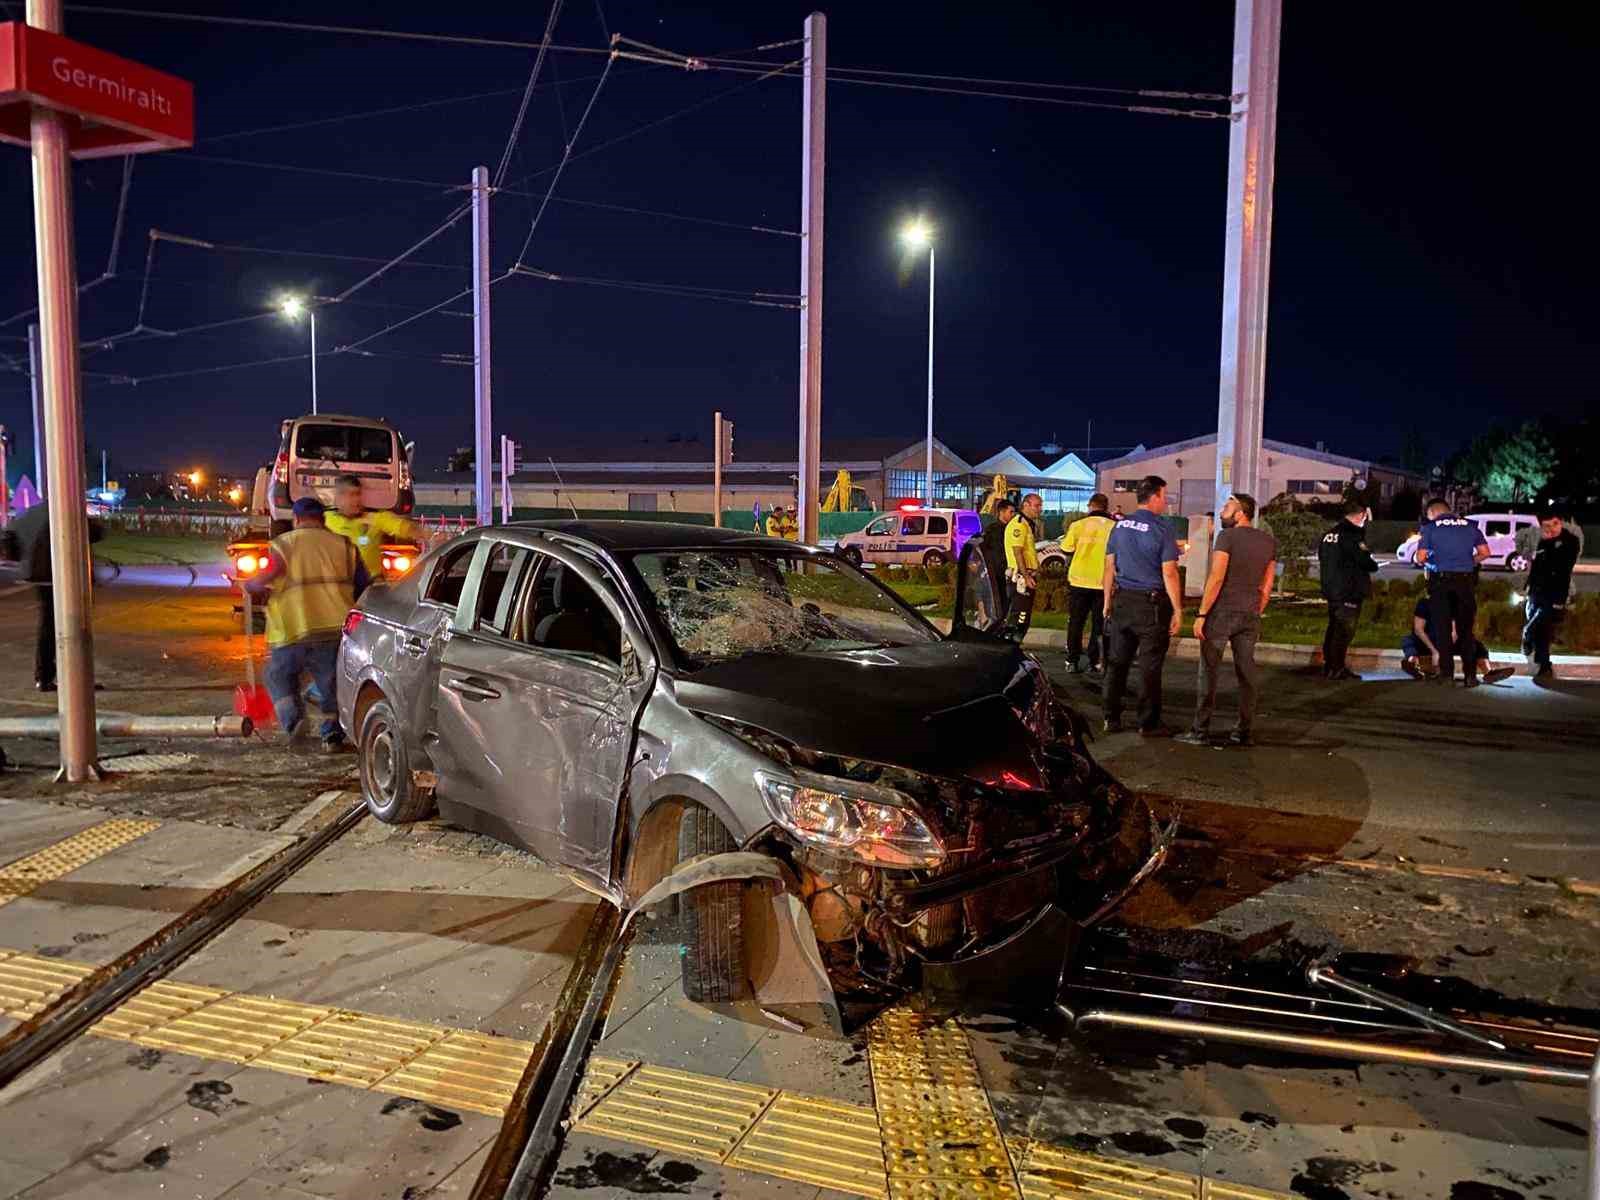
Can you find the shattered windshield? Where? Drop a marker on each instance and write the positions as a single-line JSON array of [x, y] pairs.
[[722, 604]]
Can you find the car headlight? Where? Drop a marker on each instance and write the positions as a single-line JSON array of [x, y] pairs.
[[872, 824]]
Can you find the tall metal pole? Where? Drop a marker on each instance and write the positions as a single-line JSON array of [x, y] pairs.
[[63, 419], [1247, 256], [36, 384], [929, 484], [482, 406], [814, 115], [5, 491], [716, 470], [506, 455], [312, 314]]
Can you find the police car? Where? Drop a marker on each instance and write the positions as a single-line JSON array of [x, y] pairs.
[[912, 535], [1499, 530]]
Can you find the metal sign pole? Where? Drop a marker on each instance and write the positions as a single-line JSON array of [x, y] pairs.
[[716, 470], [63, 418], [483, 491]]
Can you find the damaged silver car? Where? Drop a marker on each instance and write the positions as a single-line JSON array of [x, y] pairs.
[[847, 800]]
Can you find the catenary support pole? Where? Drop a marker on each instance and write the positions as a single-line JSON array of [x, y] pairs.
[[1247, 256], [483, 423], [814, 111], [506, 454], [928, 483], [36, 385], [63, 419], [716, 469], [311, 314]]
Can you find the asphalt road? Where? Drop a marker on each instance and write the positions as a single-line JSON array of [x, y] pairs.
[[1386, 817]]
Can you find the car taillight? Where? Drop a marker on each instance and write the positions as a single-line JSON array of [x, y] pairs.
[[280, 469], [247, 564], [388, 562], [355, 618], [402, 564]]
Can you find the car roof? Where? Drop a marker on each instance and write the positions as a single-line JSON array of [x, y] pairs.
[[341, 419], [651, 535]]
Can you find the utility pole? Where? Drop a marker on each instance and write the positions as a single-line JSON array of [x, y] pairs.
[[483, 462], [63, 420], [36, 385], [5, 491], [932, 500], [716, 469], [508, 454], [102, 470], [311, 315], [814, 110], [1247, 256]]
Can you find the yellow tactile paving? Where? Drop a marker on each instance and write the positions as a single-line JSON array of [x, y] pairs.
[[23, 876], [931, 1134]]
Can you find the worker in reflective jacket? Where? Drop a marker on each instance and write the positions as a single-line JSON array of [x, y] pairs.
[[313, 576], [1022, 565]]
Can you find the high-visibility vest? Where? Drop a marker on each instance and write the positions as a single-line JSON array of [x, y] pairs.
[[317, 589]]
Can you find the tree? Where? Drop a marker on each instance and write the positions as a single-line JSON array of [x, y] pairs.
[[1414, 451], [1508, 467], [1298, 531]]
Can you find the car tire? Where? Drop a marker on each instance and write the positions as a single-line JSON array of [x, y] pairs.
[[385, 765], [1053, 568], [851, 555], [1518, 562], [713, 917], [935, 558]]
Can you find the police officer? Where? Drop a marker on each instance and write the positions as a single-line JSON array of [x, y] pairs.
[[1345, 567], [1450, 550], [1549, 582], [1142, 606], [313, 575], [1022, 565]]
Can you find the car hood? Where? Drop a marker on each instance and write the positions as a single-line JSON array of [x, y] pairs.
[[949, 708]]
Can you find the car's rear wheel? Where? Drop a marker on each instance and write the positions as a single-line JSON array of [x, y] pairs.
[[386, 782], [1053, 568], [935, 558], [713, 917], [1518, 562], [851, 555]]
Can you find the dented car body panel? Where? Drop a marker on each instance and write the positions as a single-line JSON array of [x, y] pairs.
[[911, 810]]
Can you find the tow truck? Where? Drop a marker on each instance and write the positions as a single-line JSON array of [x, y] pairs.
[[248, 554]]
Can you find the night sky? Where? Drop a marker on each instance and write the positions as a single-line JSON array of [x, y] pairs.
[[1426, 246]]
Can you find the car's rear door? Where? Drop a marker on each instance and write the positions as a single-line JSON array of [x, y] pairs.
[[537, 703]]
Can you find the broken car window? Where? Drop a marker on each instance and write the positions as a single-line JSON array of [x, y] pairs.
[[725, 604]]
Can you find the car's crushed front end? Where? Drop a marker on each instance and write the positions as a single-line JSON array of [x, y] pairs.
[[964, 880]]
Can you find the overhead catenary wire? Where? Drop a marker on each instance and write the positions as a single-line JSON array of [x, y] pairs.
[[366, 114], [298, 169], [566, 157], [527, 92], [679, 291], [401, 324]]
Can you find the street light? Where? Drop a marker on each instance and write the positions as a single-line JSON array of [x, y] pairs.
[[292, 307], [916, 236]]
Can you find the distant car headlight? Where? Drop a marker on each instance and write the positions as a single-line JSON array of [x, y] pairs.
[[872, 824]]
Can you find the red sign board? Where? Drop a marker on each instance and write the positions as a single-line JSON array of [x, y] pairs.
[[114, 106]]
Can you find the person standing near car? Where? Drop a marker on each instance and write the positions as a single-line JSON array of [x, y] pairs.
[[30, 534], [992, 545], [1345, 567], [366, 530], [1238, 586], [313, 576], [1022, 565], [1549, 584], [1450, 551], [1085, 544], [1142, 606]]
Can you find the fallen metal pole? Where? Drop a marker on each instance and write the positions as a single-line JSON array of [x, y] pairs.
[[1594, 1130], [223, 726], [1327, 977], [1348, 1048]]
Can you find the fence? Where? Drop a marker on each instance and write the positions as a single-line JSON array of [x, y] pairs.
[[178, 522]]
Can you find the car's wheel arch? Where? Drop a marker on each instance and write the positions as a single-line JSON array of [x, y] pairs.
[[653, 847]]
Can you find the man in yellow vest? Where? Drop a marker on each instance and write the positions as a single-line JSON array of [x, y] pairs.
[[1022, 565], [367, 530], [313, 576], [1085, 543]]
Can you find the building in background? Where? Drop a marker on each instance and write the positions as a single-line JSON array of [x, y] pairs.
[[1307, 473]]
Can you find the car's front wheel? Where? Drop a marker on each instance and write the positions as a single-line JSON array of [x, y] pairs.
[[851, 555], [386, 781], [1053, 568], [935, 558], [713, 916]]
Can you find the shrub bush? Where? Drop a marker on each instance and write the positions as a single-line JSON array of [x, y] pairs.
[[1580, 632], [1494, 591], [915, 574], [1499, 622]]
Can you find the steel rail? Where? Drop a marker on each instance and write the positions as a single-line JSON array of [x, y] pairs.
[[524, 1152], [99, 992], [1345, 1048], [1328, 977]]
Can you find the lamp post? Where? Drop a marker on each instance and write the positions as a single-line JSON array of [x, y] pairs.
[[292, 307], [917, 235]]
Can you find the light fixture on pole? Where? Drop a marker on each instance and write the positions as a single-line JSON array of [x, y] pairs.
[[292, 307], [916, 236]]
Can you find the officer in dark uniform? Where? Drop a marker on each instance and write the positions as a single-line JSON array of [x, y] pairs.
[[1143, 607], [1450, 549], [1345, 568]]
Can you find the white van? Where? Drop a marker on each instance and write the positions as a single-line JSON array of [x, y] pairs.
[[912, 535], [1499, 530], [313, 451]]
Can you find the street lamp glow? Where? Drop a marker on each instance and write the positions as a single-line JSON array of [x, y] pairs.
[[917, 235], [292, 307]]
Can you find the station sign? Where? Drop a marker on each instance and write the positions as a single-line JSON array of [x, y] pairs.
[[115, 106]]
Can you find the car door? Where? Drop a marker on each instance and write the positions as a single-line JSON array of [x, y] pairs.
[[879, 538], [913, 539], [419, 647], [1497, 532], [538, 702], [980, 604]]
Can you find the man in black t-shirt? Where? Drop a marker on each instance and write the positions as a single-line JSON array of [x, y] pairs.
[[1549, 583]]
